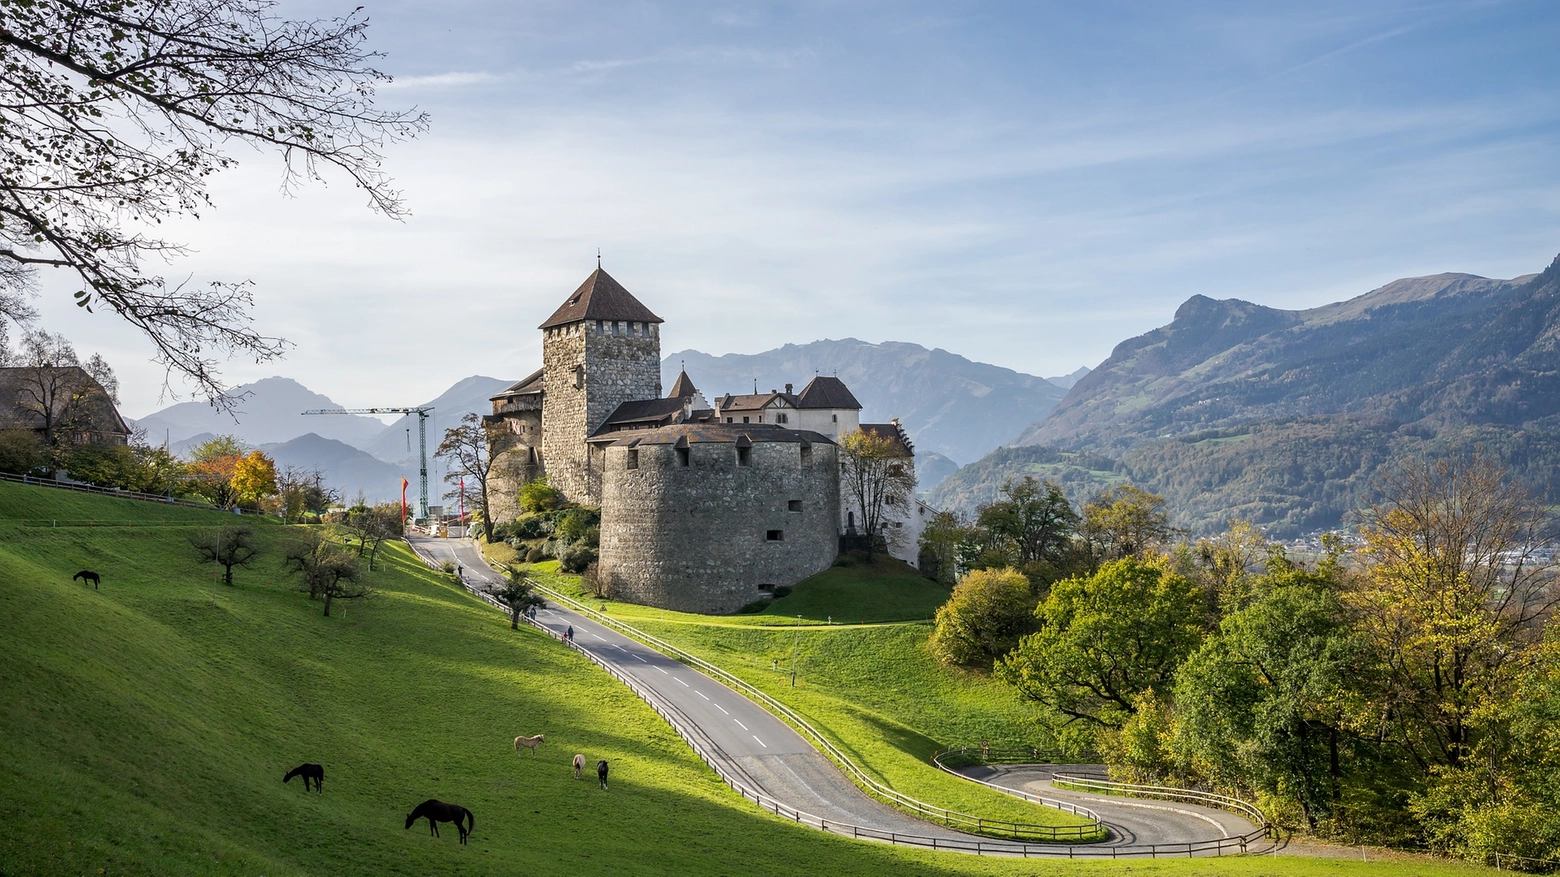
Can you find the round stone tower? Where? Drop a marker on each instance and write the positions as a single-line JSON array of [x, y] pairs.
[[601, 348], [710, 517]]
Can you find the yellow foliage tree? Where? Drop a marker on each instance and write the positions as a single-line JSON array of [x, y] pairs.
[[254, 477]]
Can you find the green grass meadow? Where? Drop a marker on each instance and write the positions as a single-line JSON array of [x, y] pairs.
[[145, 728]]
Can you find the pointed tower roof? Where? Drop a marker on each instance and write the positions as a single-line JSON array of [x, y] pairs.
[[822, 392], [683, 387], [600, 298]]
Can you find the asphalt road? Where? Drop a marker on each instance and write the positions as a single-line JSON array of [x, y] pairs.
[[771, 757]]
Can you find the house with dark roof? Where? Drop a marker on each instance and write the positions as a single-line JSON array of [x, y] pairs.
[[705, 505], [61, 404]]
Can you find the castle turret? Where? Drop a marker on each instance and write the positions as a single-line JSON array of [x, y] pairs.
[[601, 348]]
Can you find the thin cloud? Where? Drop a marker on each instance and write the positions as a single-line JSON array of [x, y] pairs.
[[453, 79]]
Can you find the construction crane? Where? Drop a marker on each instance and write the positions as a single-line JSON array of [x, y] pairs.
[[422, 444]]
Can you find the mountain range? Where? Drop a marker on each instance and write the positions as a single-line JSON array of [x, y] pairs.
[[1284, 417]]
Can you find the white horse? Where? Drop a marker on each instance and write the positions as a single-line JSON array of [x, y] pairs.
[[530, 743], [579, 765]]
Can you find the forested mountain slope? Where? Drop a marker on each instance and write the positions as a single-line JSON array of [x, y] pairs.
[[1283, 417]]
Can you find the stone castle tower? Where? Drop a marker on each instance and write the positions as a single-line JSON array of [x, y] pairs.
[[601, 348]]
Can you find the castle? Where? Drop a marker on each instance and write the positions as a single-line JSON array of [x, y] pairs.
[[705, 507]]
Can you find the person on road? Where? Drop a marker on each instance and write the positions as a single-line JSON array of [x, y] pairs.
[[568, 635]]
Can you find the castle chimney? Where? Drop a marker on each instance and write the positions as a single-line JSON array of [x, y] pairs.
[[787, 389]]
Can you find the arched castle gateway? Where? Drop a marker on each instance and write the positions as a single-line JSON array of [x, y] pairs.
[[704, 507]]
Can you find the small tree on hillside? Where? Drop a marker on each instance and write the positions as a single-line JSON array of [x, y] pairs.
[[1033, 524], [876, 477], [211, 469], [517, 596], [226, 546], [254, 478], [369, 527], [325, 572]]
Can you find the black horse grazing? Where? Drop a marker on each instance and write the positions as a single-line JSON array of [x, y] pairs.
[[438, 811], [308, 772], [88, 575], [601, 772]]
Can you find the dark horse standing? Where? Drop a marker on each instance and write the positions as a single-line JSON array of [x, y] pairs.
[[308, 772], [601, 772], [438, 811], [88, 575]]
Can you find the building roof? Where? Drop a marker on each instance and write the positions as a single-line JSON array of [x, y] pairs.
[[892, 431], [600, 298], [754, 401], [683, 387], [18, 406], [641, 413], [822, 392], [720, 433], [526, 387]]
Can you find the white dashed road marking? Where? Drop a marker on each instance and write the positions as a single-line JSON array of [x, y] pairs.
[[663, 670], [682, 683], [700, 693], [760, 742], [721, 708], [739, 722]]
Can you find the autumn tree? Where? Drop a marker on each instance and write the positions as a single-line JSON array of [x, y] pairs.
[[117, 113], [877, 478], [324, 570], [211, 469], [227, 547], [473, 450], [989, 611], [1124, 521], [1456, 589], [254, 477]]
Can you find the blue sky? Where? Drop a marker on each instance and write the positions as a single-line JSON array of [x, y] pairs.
[[1025, 184]]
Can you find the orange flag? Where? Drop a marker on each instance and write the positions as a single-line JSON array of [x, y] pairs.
[[404, 482]]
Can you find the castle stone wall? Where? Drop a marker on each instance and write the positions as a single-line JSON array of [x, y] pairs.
[[590, 369], [696, 538]]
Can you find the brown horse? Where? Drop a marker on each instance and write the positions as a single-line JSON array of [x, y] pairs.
[[88, 575], [308, 772], [530, 743], [437, 811]]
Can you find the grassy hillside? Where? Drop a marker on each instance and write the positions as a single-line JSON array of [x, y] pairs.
[[144, 729]]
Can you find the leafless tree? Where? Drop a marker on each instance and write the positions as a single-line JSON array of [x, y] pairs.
[[227, 547], [877, 479], [472, 450], [114, 112], [325, 572]]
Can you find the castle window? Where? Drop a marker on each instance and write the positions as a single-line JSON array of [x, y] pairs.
[[682, 456], [794, 505], [579, 376], [744, 456], [767, 589], [633, 458], [896, 470], [806, 454], [781, 418], [775, 535], [600, 329], [744, 420], [728, 420], [835, 417]]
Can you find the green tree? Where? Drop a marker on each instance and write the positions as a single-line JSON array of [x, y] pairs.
[[989, 611], [1033, 524], [538, 496], [1107, 638], [945, 540], [1262, 704], [116, 114], [517, 596]]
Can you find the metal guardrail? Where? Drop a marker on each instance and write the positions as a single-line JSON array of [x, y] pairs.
[[952, 818], [1266, 830], [706, 749]]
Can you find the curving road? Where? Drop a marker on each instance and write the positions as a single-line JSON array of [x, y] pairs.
[[767, 755]]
